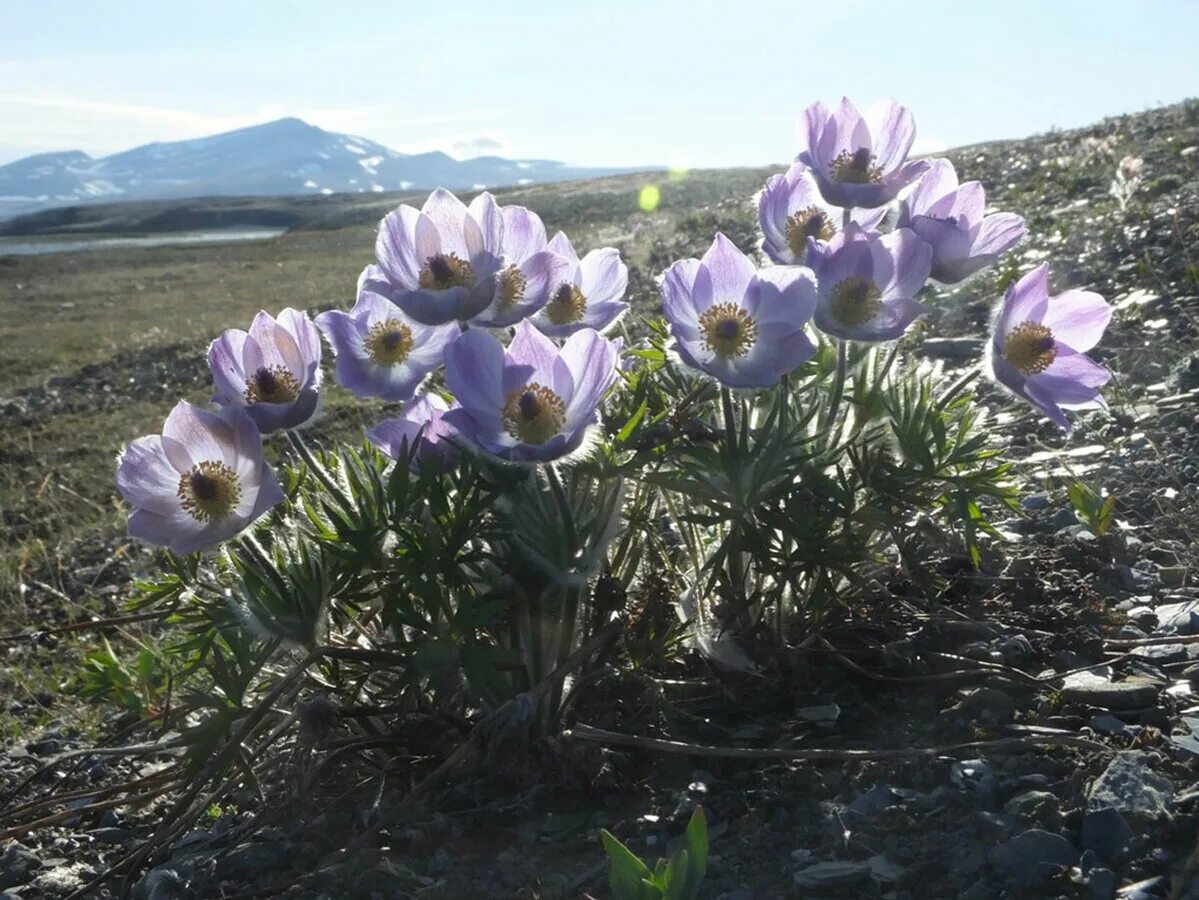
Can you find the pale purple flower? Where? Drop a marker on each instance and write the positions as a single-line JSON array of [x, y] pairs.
[[741, 326], [529, 272], [198, 483], [438, 263], [532, 402], [868, 283], [791, 210], [860, 159], [419, 431], [273, 371], [949, 218], [380, 351], [1039, 343], [589, 295]]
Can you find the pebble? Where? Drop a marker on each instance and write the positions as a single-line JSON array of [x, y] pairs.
[[17, 865], [1132, 693], [1130, 786], [828, 875], [1034, 855], [1105, 832]]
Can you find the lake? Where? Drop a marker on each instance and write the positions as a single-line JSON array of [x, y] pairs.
[[33, 245]]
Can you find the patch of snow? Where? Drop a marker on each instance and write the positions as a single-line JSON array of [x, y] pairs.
[[310, 183], [377, 188], [353, 181], [404, 185], [326, 190], [322, 154], [524, 165], [100, 188], [524, 181], [478, 187], [370, 164], [354, 148]]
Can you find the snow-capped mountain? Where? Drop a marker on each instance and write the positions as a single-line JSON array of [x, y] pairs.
[[284, 157]]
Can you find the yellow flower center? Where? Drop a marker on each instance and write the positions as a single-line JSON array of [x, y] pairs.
[[855, 301], [389, 343], [567, 305], [512, 286], [857, 167], [209, 491], [533, 414], [445, 270], [1030, 348], [806, 223], [729, 331], [272, 385]]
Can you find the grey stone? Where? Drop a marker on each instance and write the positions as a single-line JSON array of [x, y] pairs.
[[17, 865], [1034, 855], [952, 348], [1178, 618], [1106, 723], [250, 859], [1029, 802], [1130, 786], [827, 875], [873, 801], [1162, 654], [1132, 693], [113, 835], [1105, 832], [1102, 883]]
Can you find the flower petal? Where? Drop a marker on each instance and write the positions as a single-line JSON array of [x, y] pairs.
[[1077, 318]]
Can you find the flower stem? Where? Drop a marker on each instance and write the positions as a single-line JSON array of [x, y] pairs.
[[838, 390], [846, 217], [318, 470], [730, 421], [563, 639]]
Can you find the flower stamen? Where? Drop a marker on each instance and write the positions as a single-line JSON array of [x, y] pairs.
[[274, 384], [388, 343], [533, 414], [443, 271], [512, 284], [805, 223], [1030, 348], [855, 301], [729, 331], [857, 167], [568, 304], [210, 491]]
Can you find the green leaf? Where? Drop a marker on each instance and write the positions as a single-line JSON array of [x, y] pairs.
[[626, 874], [696, 839]]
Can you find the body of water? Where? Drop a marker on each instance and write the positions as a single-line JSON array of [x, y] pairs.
[[33, 245]]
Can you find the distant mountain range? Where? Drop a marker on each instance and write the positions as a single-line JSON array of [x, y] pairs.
[[284, 157]]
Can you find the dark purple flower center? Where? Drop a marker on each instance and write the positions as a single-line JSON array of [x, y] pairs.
[[855, 301], [811, 222], [210, 491], [388, 343], [275, 384], [533, 414], [445, 270], [566, 305], [857, 167], [1030, 347], [729, 331]]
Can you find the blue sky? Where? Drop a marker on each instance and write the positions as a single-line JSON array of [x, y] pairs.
[[620, 82]]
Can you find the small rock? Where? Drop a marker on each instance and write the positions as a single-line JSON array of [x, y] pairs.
[[113, 835], [1130, 786], [17, 865], [1034, 855], [1178, 618], [1162, 654], [873, 801], [952, 348], [1106, 832], [1039, 805], [828, 875], [1132, 693], [1106, 723], [1102, 883]]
